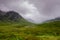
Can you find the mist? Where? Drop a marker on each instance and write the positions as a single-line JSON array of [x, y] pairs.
[[36, 11]]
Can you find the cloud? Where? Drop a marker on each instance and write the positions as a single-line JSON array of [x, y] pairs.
[[48, 7], [33, 10], [26, 9]]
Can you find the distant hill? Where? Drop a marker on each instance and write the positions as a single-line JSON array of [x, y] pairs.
[[56, 19], [51, 24]]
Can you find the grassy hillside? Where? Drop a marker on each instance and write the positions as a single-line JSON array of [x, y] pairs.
[[24, 30]]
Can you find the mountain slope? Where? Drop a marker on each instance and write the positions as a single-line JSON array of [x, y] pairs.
[[9, 16], [12, 17]]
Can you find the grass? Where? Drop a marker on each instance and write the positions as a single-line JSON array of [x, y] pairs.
[[28, 31]]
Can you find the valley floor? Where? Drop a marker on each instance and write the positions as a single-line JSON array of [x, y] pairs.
[[30, 32]]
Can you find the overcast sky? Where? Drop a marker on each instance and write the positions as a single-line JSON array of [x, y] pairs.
[[33, 10]]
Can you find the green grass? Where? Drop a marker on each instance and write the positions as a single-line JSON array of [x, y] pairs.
[[28, 31]]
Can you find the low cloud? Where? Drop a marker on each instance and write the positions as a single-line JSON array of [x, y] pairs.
[[33, 10]]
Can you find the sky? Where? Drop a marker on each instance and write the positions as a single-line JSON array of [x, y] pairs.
[[36, 11]]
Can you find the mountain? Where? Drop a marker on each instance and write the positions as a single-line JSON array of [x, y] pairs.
[[2, 12], [56, 19], [10, 15]]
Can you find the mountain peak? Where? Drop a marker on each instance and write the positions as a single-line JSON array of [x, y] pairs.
[[10, 15]]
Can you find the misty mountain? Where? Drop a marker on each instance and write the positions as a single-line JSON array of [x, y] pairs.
[[56, 19], [1, 14], [10, 15]]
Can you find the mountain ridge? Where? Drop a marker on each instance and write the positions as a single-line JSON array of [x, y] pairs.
[[10, 15]]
